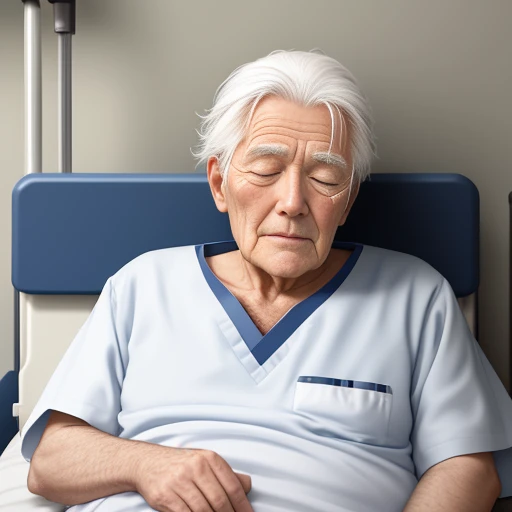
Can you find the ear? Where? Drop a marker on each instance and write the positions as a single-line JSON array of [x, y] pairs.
[[353, 195], [216, 185]]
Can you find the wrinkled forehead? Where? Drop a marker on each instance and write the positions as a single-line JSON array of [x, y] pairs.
[[278, 118]]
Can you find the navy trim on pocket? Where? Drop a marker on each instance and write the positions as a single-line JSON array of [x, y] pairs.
[[382, 388]]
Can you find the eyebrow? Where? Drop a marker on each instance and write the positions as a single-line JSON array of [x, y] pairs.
[[277, 149]]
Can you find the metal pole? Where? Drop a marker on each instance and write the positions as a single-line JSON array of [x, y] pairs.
[[64, 102], [64, 12], [33, 87]]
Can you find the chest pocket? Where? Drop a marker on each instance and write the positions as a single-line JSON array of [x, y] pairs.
[[352, 410]]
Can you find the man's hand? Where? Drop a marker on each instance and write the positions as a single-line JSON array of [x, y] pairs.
[[97, 464], [468, 483], [183, 480]]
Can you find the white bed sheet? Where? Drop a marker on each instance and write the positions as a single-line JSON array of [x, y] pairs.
[[14, 494]]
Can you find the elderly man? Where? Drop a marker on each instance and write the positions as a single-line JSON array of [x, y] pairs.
[[282, 371]]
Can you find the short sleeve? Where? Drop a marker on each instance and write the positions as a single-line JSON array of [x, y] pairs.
[[459, 404], [88, 380]]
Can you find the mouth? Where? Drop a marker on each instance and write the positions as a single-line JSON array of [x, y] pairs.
[[287, 236]]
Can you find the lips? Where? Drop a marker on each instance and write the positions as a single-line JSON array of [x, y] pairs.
[[287, 235]]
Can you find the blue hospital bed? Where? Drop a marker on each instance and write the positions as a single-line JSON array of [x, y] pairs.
[[70, 232]]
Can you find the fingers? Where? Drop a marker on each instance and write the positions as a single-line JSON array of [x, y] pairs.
[[246, 481], [214, 493], [193, 480], [229, 482], [194, 500]]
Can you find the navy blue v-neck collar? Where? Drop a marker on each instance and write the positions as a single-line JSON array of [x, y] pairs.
[[263, 346]]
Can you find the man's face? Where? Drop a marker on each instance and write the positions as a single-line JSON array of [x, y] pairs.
[[284, 202]]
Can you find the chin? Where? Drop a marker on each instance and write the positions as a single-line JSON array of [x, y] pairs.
[[286, 266]]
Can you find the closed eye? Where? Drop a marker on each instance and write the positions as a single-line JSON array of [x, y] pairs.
[[325, 183], [264, 175]]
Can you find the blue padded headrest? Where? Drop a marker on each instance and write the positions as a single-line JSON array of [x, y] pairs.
[[72, 231]]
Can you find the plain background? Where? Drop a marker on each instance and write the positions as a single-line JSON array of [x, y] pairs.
[[438, 75]]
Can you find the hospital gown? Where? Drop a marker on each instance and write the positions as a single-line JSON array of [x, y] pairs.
[[341, 407]]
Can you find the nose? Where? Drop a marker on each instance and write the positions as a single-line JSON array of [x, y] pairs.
[[291, 199]]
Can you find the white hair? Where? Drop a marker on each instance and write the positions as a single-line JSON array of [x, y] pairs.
[[307, 78]]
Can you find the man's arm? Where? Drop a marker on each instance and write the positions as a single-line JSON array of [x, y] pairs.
[[60, 471], [468, 483], [76, 463]]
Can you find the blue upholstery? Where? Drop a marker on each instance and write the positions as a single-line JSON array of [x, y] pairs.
[[8, 396], [72, 231]]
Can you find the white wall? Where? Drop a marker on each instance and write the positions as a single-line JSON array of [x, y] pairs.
[[438, 75]]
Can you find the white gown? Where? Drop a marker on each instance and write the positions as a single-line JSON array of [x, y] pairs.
[[340, 407]]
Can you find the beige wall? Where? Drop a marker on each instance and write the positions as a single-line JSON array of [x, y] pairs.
[[438, 75]]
